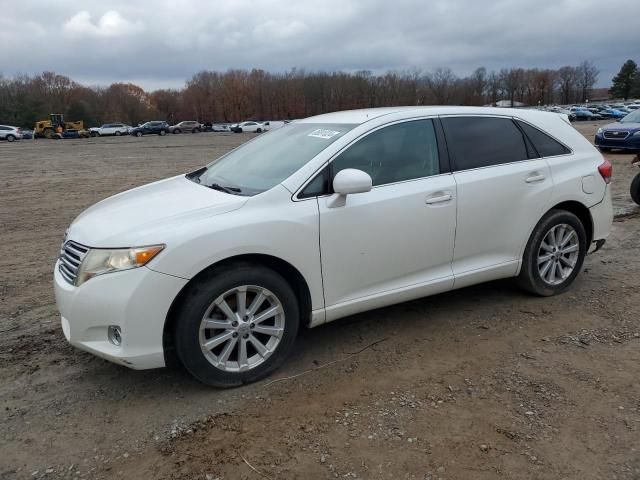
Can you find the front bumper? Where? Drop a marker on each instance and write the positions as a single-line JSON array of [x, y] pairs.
[[136, 300], [632, 142]]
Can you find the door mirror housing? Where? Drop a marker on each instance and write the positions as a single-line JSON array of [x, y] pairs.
[[347, 182]]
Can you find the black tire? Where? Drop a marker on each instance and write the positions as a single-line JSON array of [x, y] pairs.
[[176, 131], [635, 189], [138, 134], [200, 296], [94, 134], [259, 130], [163, 133], [529, 278], [117, 134], [196, 130], [10, 138]]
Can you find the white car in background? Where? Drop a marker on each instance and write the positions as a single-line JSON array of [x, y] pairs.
[[109, 129], [324, 218], [248, 127], [9, 133]]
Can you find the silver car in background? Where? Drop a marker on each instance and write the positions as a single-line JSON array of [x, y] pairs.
[[9, 133]]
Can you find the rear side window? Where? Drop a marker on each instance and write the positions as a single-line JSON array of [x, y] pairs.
[[476, 142], [543, 143], [399, 152]]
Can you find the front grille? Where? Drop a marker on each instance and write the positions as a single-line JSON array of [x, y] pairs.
[[71, 256], [616, 134]]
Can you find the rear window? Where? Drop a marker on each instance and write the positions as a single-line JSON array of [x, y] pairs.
[[476, 142], [543, 143]]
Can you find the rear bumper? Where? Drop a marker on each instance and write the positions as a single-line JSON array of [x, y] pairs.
[[602, 216], [136, 300]]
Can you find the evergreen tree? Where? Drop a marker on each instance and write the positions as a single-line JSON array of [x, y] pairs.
[[623, 82]]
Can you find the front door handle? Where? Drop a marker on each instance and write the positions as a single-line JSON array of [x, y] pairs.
[[438, 198], [535, 177]]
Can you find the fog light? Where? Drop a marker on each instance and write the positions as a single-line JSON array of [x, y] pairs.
[[115, 335]]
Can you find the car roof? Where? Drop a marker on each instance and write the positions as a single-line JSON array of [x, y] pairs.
[[358, 117]]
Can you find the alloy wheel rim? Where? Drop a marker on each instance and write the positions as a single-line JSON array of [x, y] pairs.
[[242, 328], [558, 254]]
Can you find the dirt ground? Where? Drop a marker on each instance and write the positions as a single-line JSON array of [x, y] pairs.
[[480, 383]]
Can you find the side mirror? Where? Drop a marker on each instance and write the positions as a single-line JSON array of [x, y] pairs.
[[347, 182]]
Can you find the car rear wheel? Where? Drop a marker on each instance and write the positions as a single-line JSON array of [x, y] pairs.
[[10, 138], [554, 254], [163, 133], [117, 134], [236, 326]]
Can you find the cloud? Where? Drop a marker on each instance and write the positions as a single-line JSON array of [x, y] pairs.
[[167, 41], [111, 24]]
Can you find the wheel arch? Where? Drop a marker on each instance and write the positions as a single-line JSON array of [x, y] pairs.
[[580, 211], [290, 273]]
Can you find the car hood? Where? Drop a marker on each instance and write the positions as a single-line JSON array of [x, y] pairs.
[[149, 214], [622, 126]]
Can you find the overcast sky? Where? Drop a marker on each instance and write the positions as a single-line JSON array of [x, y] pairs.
[[162, 43]]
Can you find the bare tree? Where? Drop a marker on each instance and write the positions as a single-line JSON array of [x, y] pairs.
[[587, 76]]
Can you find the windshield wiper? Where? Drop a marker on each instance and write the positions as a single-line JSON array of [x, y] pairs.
[[225, 189]]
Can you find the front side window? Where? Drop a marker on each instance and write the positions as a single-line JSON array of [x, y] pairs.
[[399, 152], [266, 161], [476, 142]]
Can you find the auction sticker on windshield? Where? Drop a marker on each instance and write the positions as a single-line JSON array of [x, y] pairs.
[[324, 134]]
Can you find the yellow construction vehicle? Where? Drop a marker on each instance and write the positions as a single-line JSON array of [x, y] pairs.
[[55, 127]]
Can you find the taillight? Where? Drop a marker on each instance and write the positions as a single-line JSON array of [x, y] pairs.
[[606, 170]]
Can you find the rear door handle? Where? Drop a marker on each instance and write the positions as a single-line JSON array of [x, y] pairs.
[[535, 177], [438, 198]]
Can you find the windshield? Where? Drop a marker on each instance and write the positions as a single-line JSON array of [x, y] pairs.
[[633, 117], [266, 161]]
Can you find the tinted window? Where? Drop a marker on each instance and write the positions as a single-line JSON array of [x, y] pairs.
[[318, 186], [543, 143], [476, 142], [392, 154]]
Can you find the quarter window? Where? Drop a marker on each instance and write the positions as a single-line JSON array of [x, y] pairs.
[[404, 151], [476, 142], [543, 143]]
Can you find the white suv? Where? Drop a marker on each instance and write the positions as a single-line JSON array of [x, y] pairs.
[[10, 133], [324, 218], [107, 129]]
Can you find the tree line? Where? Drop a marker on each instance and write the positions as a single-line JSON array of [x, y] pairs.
[[235, 95]]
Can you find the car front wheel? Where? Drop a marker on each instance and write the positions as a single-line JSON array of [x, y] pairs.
[[554, 254], [138, 134], [236, 326]]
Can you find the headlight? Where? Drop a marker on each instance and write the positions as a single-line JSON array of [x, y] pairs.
[[99, 261], [637, 134], [599, 130]]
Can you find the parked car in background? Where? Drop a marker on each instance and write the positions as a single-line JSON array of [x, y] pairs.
[[582, 113], [220, 128], [186, 126], [330, 216], [9, 133], [27, 134], [251, 127], [150, 128], [612, 113], [562, 111], [108, 129], [623, 134]]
